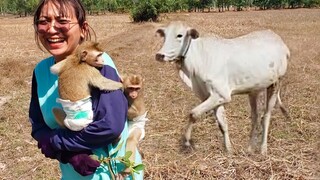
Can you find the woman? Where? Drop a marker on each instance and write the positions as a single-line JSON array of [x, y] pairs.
[[60, 26]]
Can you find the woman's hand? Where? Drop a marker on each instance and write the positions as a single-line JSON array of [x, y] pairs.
[[46, 148], [81, 162]]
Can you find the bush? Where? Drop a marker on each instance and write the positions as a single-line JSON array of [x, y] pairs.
[[311, 3], [144, 11]]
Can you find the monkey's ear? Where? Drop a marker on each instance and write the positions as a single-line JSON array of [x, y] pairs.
[[140, 77], [98, 46], [123, 77], [83, 55]]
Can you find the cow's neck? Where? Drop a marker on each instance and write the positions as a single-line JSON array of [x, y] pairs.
[[180, 64], [183, 53], [185, 48]]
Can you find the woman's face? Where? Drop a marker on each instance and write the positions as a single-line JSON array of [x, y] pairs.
[[59, 35]]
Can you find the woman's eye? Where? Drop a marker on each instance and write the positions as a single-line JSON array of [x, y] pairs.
[[63, 21], [43, 22]]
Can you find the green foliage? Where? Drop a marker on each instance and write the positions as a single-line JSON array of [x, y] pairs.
[[31, 5], [145, 10], [21, 7], [179, 5], [134, 168], [111, 5], [311, 3], [239, 4], [3, 6], [166, 6], [295, 3], [204, 3]]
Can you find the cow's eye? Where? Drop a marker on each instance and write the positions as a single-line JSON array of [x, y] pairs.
[[179, 36]]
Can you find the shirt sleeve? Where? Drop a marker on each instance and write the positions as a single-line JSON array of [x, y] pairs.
[[110, 112], [39, 127]]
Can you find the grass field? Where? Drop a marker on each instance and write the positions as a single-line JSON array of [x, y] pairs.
[[293, 148]]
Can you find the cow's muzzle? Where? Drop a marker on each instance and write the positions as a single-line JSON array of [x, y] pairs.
[[159, 57]]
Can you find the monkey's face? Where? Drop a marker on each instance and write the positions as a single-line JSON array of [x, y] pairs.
[[132, 85], [133, 92], [92, 57], [61, 35]]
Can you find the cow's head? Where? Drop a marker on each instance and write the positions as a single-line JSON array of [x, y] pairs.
[[177, 38]]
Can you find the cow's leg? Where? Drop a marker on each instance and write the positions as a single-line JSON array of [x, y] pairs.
[[253, 98], [270, 103], [209, 104], [223, 125], [188, 132]]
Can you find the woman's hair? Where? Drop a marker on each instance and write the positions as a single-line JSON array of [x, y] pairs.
[[64, 10]]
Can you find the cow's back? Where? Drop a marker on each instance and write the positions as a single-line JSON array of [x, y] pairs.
[[254, 60], [259, 59]]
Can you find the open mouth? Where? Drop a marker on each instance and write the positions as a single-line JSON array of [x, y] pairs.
[[173, 60], [163, 58], [55, 40], [179, 58]]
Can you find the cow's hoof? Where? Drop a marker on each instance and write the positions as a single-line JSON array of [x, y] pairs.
[[250, 149], [188, 149], [187, 144], [263, 150]]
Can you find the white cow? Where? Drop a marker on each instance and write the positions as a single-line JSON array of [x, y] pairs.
[[216, 68]]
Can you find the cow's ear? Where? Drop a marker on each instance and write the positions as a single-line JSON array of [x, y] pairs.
[[193, 33], [160, 31]]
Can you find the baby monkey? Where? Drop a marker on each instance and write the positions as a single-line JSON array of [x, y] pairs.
[[78, 73], [136, 113]]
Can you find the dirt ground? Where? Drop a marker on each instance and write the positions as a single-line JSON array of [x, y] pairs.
[[293, 147]]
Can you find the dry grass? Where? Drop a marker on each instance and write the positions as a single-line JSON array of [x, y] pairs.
[[293, 145]]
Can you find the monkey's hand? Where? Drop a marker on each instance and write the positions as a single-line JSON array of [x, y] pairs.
[[81, 162], [59, 115], [122, 175]]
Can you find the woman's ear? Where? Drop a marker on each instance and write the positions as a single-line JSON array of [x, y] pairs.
[[84, 30]]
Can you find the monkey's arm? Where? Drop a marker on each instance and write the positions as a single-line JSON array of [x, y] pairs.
[[103, 83], [133, 141], [56, 68]]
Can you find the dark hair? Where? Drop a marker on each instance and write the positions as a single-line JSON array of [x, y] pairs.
[[64, 5]]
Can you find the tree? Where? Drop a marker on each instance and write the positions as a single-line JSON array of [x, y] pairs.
[[27, 7], [3, 5], [295, 3], [31, 5], [240, 4], [144, 10], [311, 3]]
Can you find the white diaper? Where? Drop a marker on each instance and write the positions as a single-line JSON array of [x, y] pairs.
[[139, 123], [79, 113]]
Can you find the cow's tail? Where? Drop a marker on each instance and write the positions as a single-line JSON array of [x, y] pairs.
[[288, 54], [282, 107]]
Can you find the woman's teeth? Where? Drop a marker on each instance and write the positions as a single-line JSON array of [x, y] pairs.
[[55, 40]]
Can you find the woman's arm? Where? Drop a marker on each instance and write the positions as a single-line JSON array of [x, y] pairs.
[[39, 127], [110, 111]]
